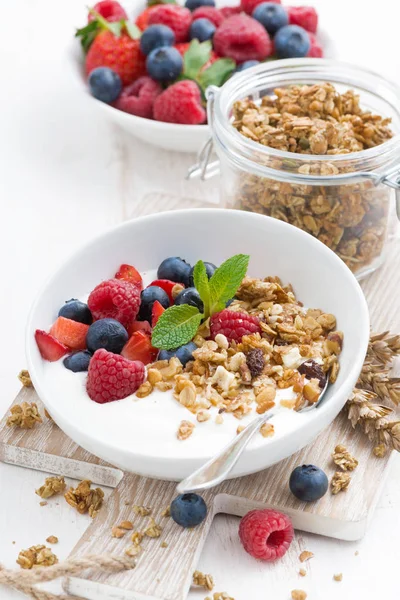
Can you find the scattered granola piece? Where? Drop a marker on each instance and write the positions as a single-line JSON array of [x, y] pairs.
[[24, 415], [137, 538], [25, 378], [340, 482], [220, 596], [153, 530], [203, 415], [380, 450], [116, 532], [298, 595], [51, 487], [40, 556], [305, 555], [52, 539], [164, 545], [338, 577], [143, 511], [166, 512], [125, 525], [240, 429], [43, 503], [185, 430], [47, 414], [84, 499], [219, 419], [343, 459], [267, 430], [133, 550], [302, 572], [203, 580]]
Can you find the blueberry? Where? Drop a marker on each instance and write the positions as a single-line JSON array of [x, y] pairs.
[[188, 510], [308, 483], [202, 30], [105, 84], [272, 16], [193, 4], [108, 334], [147, 299], [190, 296], [229, 302], [156, 36], [164, 64], [174, 269], [184, 353], [76, 311], [247, 64], [79, 361], [210, 270], [291, 41]]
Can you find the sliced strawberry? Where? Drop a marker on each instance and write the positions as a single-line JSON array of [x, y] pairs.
[[70, 333], [156, 313], [130, 274], [143, 326], [139, 347], [166, 285], [50, 348]]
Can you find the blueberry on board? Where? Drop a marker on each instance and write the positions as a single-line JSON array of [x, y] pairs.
[[271, 16], [184, 353], [164, 64], [76, 311], [202, 30], [174, 269], [210, 270], [190, 296], [105, 84], [79, 361], [308, 483], [247, 64], [291, 41], [108, 334], [156, 36], [147, 299], [193, 4], [188, 510]]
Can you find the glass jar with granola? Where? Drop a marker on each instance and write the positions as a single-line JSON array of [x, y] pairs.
[[314, 143]]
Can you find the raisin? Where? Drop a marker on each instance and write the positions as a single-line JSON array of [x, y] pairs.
[[312, 370], [255, 361]]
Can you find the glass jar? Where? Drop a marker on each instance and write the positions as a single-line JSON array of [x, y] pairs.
[[343, 199]]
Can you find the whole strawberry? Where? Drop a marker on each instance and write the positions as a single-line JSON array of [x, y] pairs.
[[121, 53], [180, 103], [176, 17], [249, 5], [138, 98], [242, 38]]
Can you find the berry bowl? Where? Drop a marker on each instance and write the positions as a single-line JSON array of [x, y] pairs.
[[140, 434]]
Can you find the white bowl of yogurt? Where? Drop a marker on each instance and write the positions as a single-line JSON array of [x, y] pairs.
[[139, 435]]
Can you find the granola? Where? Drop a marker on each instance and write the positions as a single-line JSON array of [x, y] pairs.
[[317, 120], [343, 459], [340, 482], [203, 580], [305, 555], [84, 499], [298, 595], [24, 415], [51, 487], [36, 556]]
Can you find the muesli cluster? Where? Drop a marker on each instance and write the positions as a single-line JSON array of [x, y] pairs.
[[317, 120]]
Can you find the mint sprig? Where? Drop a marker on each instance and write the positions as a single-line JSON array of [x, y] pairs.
[[178, 324]]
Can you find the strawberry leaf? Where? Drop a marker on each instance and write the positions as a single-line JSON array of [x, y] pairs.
[[197, 55], [217, 73], [176, 326], [87, 34], [154, 2], [226, 281], [132, 30]]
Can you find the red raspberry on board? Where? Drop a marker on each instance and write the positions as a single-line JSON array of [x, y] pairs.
[[228, 11], [242, 38], [142, 20], [113, 377], [266, 534], [316, 50], [180, 103], [176, 17], [233, 324], [122, 54], [304, 16], [110, 10], [249, 5], [208, 12], [138, 98], [115, 299]]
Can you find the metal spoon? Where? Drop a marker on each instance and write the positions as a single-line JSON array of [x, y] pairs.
[[218, 468]]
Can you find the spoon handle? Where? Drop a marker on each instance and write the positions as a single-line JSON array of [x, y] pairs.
[[218, 468]]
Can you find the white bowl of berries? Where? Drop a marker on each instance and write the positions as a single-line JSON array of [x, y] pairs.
[[149, 71], [158, 361]]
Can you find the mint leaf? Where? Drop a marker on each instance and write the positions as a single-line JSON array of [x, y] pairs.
[[217, 73], [154, 2], [226, 281], [202, 285], [196, 56], [176, 326], [132, 30]]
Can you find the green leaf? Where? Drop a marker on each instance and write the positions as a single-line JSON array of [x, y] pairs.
[[176, 326], [226, 281], [217, 73], [197, 55], [132, 30], [154, 2], [87, 34], [201, 283]]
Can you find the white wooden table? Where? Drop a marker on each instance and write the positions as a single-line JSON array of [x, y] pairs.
[[65, 176]]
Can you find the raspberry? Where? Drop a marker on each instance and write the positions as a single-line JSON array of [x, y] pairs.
[[113, 377], [249, 5], [255, 361], [208, 12], [266, 534], [304, 16], [242, 38], [228, 11], [109, 10], [142, 21], [138, 98], [121, 54], [180, 103], [233, 324], [176, 17], [316, 50], [115, 299]]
